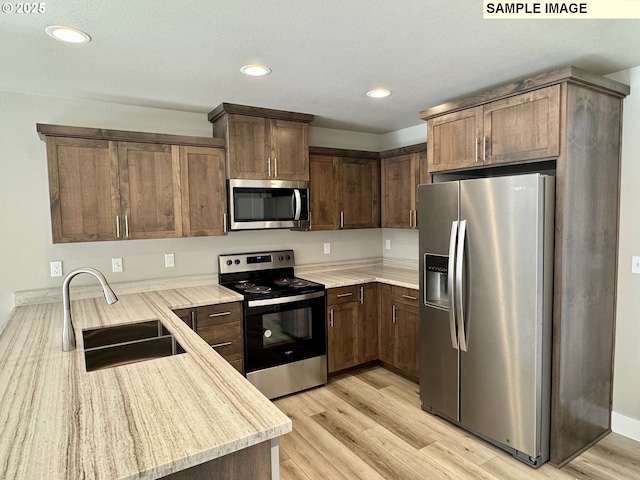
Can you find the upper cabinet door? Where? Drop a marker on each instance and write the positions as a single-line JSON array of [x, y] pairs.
[[399, 189], [84, 190], [150, 187], [204, 193], [249, 147], [289, 150], [454, 140], [323, 186], [359, 193], [523, 127]]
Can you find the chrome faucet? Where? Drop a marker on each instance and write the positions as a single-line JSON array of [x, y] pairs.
[[68, 334]]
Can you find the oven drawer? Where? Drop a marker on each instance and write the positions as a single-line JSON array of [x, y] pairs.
[[217, 314], [336, 296]]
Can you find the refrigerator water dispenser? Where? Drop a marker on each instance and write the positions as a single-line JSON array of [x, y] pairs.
[[436, 274]]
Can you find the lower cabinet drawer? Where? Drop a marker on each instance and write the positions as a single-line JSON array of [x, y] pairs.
[[225, 338]]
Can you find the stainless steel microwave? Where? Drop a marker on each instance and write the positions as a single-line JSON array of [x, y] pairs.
[[261, 204]]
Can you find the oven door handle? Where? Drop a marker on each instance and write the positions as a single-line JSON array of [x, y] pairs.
[[281, 300], [296, 200]]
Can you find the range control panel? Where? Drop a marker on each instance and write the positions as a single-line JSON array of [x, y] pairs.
[[247, 262]]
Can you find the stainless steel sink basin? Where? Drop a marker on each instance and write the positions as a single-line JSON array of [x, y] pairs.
[[122, 344]]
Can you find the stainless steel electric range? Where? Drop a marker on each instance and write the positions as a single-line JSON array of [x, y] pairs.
[[285, 344]]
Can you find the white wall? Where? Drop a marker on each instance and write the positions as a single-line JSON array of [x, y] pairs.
[[27, 248]]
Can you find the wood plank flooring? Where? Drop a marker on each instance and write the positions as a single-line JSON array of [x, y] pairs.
[[369, 425]]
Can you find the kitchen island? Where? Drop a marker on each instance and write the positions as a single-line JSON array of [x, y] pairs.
[[182, 416]]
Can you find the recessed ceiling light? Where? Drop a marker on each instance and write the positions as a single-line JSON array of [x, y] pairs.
[[255, 70], [378, 93], [67, 34]]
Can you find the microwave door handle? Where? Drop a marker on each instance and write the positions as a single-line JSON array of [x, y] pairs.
[[296, 203]]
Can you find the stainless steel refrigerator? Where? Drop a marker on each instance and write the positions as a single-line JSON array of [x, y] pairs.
[[486, 270]]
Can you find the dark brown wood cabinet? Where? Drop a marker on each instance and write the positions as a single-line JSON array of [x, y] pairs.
[[105, 188], [398, 327], [204, 191], [263, 144], [400, 175], [220, 326], [519, 128], [345, 190], [572, 120], [351, 326]]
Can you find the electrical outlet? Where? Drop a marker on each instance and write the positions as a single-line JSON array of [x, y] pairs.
[[168, 260], [116, 264], [327, 248], [56, 268], [387, 244], [635, 265]]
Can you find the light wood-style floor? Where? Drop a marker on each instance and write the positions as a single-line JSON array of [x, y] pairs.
[[369, 425]]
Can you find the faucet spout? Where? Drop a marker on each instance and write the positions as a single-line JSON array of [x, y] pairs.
[[68, 333]]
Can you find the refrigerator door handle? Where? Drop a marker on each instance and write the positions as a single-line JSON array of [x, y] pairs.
[[462, 335], [450, 284]]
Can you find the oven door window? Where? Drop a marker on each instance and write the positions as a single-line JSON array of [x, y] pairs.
[[279, 334]]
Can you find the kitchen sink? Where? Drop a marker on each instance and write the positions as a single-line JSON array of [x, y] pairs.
[[123, 344]]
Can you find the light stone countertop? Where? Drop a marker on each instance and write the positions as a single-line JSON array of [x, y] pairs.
[[341, 276], [143, 420]]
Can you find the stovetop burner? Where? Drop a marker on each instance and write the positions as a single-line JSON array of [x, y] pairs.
[[263, 275], [258, 289]]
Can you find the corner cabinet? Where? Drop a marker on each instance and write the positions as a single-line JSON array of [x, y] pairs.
[[398, 329], [400, 174], [263, 144], [351, 326], [566, 122], [345, 189], [105, 188]]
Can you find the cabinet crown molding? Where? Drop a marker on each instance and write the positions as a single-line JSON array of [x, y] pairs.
[[125, 136], [233, 108], [569, 74]]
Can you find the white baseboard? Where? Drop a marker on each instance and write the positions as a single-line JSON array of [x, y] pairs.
[[626, 426]]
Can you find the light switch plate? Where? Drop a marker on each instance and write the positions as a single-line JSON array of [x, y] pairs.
[[635, 265], [387, 244], [169, 260], [116, 264], [327, 248]]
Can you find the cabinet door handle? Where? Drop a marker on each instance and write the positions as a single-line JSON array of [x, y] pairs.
[[362, 295], [126, 226], [224, 223], [275, 167], [193, 320], [393, 314], [409, 297], [331, 317], [220, 314], [341, 219], [117, 226], [477, 140], [223, 344], [340, 295], [484, 148], [269, 166]]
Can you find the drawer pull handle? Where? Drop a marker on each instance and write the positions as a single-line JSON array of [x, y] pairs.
[[221, 314], [409, 297], [344, 295], [223, 344]]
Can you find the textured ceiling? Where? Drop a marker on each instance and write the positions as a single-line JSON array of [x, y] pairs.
[[186, 55]]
